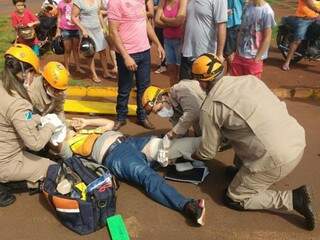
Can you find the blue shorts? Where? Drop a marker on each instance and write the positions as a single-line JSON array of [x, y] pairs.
[[300, 26], [67, 34], [173, 50]]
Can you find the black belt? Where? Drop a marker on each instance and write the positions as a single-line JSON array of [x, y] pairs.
[[113, 145]]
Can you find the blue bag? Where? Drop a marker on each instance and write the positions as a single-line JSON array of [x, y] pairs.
[[81, 216]]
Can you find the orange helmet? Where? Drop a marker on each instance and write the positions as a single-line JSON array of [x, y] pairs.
[[207, 67], [25, 54], [56, 75]]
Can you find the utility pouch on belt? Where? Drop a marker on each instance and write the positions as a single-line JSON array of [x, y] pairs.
[[80, 210]]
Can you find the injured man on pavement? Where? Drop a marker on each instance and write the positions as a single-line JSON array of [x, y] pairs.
[[130, 158]]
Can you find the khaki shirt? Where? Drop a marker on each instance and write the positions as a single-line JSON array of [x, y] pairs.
[[43, 103], [186, 98], [19, 130], [258, 125]]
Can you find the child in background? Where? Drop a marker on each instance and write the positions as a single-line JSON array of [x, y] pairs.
[[70, 34], [162, 67], [171, 16], [235, 8], [254, 39], [111, 50], [23, 17]]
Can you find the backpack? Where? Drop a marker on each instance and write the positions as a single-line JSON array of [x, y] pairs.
[[88, 211]]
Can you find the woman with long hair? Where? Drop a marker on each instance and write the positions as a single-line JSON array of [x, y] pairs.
[[86, 14], [20, 128]]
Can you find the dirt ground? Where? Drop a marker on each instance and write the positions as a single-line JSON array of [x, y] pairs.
[[31, 218]]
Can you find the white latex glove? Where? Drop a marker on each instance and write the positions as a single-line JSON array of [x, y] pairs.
[[162, 157], [166, 142], [52, 119], [59, 136]]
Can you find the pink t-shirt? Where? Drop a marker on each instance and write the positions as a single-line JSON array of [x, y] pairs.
[[171, 12], [131, 15], [65, 16]]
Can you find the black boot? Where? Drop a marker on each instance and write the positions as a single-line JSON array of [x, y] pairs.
[[232, 204], [6, 198], [301, 199], [231, 171], [17, 187]]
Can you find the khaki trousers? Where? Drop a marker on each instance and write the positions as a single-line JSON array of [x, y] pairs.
[[30, 167], [252, 191]]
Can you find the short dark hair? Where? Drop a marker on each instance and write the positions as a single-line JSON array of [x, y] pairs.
[[17, 1]]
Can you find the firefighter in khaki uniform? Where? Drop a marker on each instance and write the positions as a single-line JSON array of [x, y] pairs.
[[19, 127], [181, 103], [269, 142], [47, 95], [47, 90]]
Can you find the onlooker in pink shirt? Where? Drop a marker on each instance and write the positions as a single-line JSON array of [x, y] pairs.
[[23, 17], [70, 34], [171, 15], [129, 30]]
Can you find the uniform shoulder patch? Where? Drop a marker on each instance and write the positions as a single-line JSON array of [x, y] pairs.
[[28, 115]]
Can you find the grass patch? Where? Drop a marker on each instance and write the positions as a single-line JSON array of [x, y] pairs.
[[6, 37], [76, 82], [272, 1]]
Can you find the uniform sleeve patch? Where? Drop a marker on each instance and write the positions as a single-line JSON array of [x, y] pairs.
[[28, 115]]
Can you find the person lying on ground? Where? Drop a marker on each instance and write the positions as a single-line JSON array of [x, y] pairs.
[[128, 158]]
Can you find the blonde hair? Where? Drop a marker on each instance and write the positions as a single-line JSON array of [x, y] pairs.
[[258, 2]]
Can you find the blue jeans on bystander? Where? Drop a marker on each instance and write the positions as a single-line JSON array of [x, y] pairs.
[[142, 75]]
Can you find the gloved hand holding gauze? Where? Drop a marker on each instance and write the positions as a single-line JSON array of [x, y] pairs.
[[60, 131], [53, 119], [163, 152]]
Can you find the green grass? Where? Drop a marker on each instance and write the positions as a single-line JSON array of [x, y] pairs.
[[6, 37], [76, 82]]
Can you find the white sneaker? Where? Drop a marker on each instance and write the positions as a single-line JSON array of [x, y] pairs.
[[161, 69]]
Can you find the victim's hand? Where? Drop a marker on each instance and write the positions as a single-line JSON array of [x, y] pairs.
[[79, 123]]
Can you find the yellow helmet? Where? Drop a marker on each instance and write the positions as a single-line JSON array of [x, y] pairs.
[[150, 96], [25, 54], [56, 75], [207, 67]]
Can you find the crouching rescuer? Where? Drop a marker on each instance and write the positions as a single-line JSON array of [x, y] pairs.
[[20, 127], [268, 142]]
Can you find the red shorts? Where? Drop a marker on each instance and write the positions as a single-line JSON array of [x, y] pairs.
[[244, 66]]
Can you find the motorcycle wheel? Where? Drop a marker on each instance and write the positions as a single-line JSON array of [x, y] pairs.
[[283, 43]]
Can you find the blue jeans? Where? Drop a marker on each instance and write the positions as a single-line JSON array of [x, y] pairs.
[[127, 162], [143, 60], [173, 50], [300, 27]]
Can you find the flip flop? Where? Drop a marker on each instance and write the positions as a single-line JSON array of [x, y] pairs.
[[110, 76], [285, 68], [96, 80]]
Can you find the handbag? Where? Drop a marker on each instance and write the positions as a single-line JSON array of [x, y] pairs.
[[84, 210], [26, 33]]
